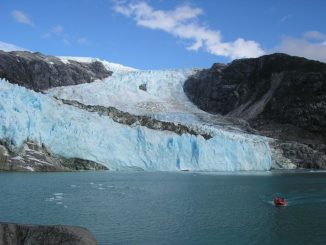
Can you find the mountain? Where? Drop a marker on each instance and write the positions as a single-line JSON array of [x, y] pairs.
[[144, 120], [39, 72], [281, 96]]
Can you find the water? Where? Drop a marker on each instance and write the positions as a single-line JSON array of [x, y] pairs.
[[172, 208]]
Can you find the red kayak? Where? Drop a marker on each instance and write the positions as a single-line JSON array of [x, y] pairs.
[[279, 201]]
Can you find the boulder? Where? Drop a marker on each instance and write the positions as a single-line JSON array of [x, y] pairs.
[[19, 234]]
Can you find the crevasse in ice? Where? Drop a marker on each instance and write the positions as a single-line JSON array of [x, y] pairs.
[[72, 132]]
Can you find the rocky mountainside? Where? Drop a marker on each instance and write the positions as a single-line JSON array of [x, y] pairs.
[[281, 96], [14, 234], [40, 72]]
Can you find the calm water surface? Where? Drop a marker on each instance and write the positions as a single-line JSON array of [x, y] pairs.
[[172, 208]]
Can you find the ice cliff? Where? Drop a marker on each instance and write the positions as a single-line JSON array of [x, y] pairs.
[[73, 132]]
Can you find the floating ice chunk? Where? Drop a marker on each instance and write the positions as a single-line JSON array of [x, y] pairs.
[[51, 199]]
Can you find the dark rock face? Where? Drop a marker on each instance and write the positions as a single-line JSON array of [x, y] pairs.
[[33, 157], [275, 93], [40, 72], [14, 234], [276, 87], [304, 156], [143, 87]]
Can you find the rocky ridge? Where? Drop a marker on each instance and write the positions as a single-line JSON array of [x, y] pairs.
[[39, 72], [281, 96]]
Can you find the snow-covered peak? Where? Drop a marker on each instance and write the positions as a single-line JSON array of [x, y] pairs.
[[114, 67]]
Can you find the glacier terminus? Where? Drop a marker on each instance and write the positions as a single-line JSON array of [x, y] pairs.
[[68, 130]]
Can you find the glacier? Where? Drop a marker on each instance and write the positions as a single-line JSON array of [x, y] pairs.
[[75, 133]]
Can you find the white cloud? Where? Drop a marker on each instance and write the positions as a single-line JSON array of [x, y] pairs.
[[57, 31], [83, 41], [183, 23], [286, 17], [22, 18], [311, 45], [65, 41], [314, 35], [10, 47]]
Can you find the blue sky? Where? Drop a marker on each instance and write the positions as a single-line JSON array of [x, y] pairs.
[[165, 34]]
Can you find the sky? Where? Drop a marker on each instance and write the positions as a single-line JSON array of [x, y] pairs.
[[162, 34]]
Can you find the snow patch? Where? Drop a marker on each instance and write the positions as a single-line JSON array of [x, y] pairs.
[[19, 158], [30, 168], [37, 161], [114, 67]]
